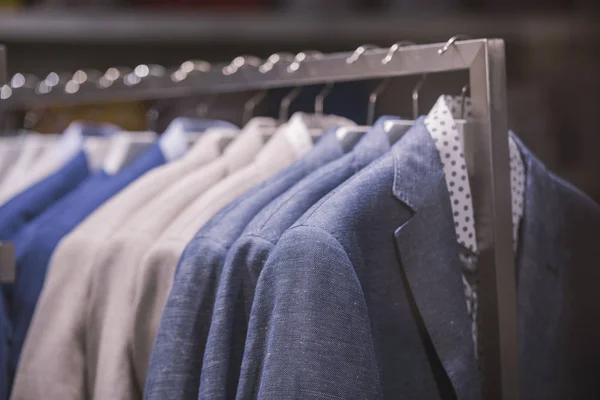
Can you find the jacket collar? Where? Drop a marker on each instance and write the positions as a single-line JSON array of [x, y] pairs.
[[429, 255]]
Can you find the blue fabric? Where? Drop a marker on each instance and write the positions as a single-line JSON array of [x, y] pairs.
[[36, 241], [245, 259], [176, 359], [333, 310], [557, 283], [362, 297], [24, 207]]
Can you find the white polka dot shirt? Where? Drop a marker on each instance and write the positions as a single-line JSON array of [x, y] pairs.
[[441, 124]]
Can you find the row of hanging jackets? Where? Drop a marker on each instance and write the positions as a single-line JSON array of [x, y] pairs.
[[309, 259]]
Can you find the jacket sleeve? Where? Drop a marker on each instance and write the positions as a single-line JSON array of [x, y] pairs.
[[177, 319], [309, 334], [224, 348]]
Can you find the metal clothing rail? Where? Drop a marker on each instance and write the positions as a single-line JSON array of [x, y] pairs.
[[486, 148]]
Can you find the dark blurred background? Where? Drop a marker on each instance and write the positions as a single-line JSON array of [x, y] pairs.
[[553, 55]]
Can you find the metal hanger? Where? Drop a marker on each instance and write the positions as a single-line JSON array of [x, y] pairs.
[[320, 99], [415, 96], [385, 83], [251, 104], [389, 125], [451, 41], [284, 106], [360, 50], [415, 93], [349, 135]]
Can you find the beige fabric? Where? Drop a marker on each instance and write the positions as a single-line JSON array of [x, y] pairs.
[[53, 363], [110, 375], [32, 148], [9, 153]]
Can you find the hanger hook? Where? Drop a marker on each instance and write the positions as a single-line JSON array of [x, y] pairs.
[[301, 57], [415, 96], [188, 67], [239, 62], [360, 50], [284, 107], [394, 48], [273, 60], [112, 75], [385, 83], [320, 99], [256, 99], [373, 100], [250, 105], [451, 41], [463, 96]]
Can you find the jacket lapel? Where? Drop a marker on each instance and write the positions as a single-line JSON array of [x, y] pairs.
[[540, 262], [429, 254]]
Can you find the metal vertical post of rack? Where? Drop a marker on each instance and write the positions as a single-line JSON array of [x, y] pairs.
[[3, 68], [488, 152], [486, 148], [7, 250]]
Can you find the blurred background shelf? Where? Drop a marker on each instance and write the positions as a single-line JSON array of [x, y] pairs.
[[279, 28]]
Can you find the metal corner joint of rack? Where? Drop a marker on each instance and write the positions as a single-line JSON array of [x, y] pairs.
[[486, 149]]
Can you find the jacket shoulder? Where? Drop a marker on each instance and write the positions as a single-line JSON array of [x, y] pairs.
[[354, 196]]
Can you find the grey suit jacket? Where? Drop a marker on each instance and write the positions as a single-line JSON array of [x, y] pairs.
[[362, 297]]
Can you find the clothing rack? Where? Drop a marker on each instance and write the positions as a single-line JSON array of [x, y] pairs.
[[486, 148]]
